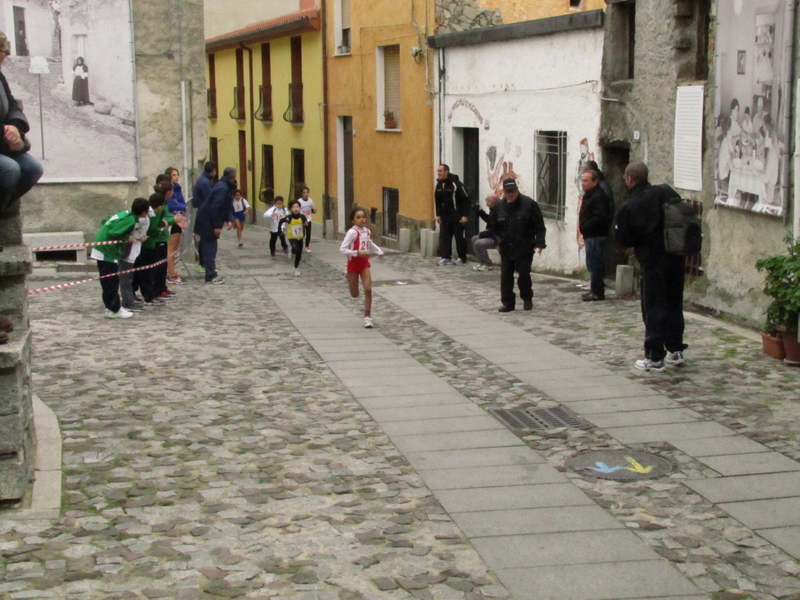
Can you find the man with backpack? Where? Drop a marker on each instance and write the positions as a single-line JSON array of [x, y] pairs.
[[640, 225]]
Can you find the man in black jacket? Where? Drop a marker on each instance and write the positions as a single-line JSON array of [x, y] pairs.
[[200, 193], [452, 210], [213, 213], [640, 225], [597, 212], [520, 230]]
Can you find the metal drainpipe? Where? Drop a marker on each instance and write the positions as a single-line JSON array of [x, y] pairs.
[[788, 125], [252, 137], [326, 216]]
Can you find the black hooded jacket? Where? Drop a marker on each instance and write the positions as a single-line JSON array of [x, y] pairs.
[[451, 197]]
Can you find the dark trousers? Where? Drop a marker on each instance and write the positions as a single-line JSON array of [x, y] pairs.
[[308, 235], [522, 266], [273, 239], [109, 285], [160, 271], [595, 262], [126, 283], [145, 277], [208, 248], [662, 305], [297, 250], [452, 226]]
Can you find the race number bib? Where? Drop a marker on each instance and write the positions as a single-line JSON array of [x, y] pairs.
[[306, 212], [297, 231], [363, 244]]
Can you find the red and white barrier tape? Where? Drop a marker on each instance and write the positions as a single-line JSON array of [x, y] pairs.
[[71, 283], [83, 245]]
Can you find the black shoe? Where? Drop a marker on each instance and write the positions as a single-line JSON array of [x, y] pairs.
[[505, 308], [593, 298], [527, 305]]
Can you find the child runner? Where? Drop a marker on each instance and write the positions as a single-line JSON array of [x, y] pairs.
[[358, 245], [117, 228], [294, 225], [240, 209], [275, 213], [307, 208]]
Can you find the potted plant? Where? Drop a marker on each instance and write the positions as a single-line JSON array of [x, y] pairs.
[[782, 284], [388, 120]]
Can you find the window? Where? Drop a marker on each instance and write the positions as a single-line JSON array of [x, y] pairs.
[[244, 163], [211, 93], [703, 18], [622, 30], [294, 114], [343, 29], [575, 4], [213, 149], [388, 75], [550, 168], [264, 111], [391, 206], [267, 193], [298, 173], [237, 112]]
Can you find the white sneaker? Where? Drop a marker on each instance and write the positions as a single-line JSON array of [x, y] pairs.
[[297, 272], [650, 365], [674, 358], [445, 261], [122, 313], [367, 323], [458, 261]]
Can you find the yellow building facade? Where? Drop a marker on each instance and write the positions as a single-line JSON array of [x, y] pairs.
[[381, 97], [265, 103]]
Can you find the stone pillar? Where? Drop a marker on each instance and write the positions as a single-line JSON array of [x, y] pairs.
[[16, 413], [624, 281], [330, 232], [423, 242], [404, 240]]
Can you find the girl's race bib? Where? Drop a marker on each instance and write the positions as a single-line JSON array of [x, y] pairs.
[[297, 231]]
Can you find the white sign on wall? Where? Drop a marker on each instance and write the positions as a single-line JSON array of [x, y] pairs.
[[688, 159]]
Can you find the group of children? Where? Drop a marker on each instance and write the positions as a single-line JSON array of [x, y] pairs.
[[139, 238]]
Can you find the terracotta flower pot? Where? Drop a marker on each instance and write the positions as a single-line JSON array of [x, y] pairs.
[[792, 348], [773, 345]]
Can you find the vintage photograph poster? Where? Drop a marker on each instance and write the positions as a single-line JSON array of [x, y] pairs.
[[752, 103], [81, 54]]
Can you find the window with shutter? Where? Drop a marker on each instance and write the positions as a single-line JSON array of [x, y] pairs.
[[391, 81], [344, 47]]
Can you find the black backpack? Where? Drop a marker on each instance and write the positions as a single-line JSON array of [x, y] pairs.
[[683, 234]]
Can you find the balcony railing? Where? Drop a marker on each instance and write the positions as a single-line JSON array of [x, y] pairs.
[[294, 114], [237, 112], [211, 102], [264, 111]]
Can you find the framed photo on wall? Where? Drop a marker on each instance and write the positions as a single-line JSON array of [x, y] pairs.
[[741, 60]]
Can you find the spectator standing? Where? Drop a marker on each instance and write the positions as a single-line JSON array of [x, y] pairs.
[[452, 210], [201, 193], [640, 225], [594, 220], [212, 215], [177, 207], [521, 231]]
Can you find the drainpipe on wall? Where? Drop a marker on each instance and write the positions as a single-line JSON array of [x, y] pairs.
[[326, 205], [252, 137], [785, 159]]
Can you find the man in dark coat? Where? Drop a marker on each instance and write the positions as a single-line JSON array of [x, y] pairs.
[[520, 230], [597, 212], [200, 193], [452, 211], [640, 225], [213, 213]]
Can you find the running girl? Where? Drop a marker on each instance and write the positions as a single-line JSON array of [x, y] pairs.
[[358, 245], [294, 225], [240, 209]]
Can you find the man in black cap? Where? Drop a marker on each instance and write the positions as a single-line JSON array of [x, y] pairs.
[[520, 230]]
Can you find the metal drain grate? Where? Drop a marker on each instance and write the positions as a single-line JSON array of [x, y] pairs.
[[540, 419]]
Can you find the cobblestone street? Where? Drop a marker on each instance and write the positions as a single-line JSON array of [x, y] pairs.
[[223, 446]]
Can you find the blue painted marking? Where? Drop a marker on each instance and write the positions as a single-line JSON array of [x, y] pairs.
[[604, 468]]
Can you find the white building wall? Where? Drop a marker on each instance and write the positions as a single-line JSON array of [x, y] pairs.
[[510, 90], [39, 26]]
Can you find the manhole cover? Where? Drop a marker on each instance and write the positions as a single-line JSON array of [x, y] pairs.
[[539, 419], [620, 465]]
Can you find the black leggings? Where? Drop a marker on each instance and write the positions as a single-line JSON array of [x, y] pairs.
[[273, 239], [297, 250], [308, 235]]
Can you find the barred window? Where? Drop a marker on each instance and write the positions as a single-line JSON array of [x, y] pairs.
[[550, 151]]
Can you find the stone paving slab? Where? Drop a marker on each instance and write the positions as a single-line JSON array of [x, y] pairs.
[[610, 581], [387, 415], [719, 446], [622, 405], [456, 441], [432, 386], [564, 548], [644, 417], [598, 392], [786, 538], [495, 476], [747, 487], [476, 457], [493, 523], [751, 464], [668, 432], [763, 514], [418, 400], [513, 497], [437, 426]]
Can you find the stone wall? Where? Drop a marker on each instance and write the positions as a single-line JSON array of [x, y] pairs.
[[462, 15]]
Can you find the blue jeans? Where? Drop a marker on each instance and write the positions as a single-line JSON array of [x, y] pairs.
[[596, 264], [208, 250], [18, 174]]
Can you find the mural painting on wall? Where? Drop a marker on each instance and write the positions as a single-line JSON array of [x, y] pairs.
[[81, 54], [498, 169], [585, 156], [752, 100]]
